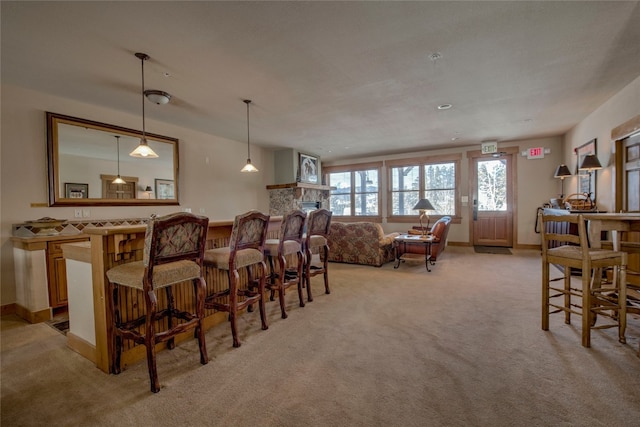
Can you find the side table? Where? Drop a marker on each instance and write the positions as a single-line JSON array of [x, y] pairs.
[[401, 242]]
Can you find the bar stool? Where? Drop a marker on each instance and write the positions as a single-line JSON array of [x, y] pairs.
[[173, 253], [246, 252], [561, 247], [318, 226], [289, 244]]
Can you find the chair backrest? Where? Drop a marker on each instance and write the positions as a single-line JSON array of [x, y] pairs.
[[249, 232], [318, 223], [559, 229], [175, 237], [292, 228], [440, 228]]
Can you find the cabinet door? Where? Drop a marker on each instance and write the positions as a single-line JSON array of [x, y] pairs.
[[57, 281], [57, 273]]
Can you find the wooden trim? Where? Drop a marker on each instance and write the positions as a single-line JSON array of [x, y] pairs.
[[7, 309], [298, 185], [417, 161], [79, 251], [627, 128], [33, 316], [81, 346], [353, 167]]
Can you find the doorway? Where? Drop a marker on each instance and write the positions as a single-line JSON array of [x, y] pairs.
[[491, 192]]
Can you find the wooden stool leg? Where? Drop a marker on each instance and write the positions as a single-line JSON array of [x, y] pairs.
[[263, 310], [200, 291], [545, 295], [233, 305], [280, 281], [149, 340], [170, 309], [325, 265], [622, 301], [586, 306], [300, 277], [567, 295]]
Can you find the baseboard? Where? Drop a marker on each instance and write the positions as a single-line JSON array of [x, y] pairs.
[[81, 346], [33, 316], [7, 309]]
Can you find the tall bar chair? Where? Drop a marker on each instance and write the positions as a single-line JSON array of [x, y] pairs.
[[289, 244], [316, 242], [565, 244], [245, 252], [173, 254]]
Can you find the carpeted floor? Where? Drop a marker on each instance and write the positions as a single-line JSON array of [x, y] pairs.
[[460, 346]]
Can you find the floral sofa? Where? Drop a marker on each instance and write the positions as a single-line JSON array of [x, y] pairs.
[[360, 243]]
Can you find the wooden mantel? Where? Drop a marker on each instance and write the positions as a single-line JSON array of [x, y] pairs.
[[298, 185]]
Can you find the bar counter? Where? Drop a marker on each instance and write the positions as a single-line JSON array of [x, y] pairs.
[[115, 245]]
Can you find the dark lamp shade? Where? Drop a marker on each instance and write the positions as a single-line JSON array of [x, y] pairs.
[[424, 205], [148, 188], [562, 171], [590, 163]]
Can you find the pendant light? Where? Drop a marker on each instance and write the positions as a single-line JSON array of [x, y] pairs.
[[143, 150], [118, 179], [248, 167]]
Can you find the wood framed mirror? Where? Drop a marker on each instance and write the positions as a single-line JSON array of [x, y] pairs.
[[84, 157]]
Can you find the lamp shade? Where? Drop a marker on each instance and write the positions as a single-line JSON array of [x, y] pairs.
[[424, 205], [562, 171], [148, 189], [590, 163]]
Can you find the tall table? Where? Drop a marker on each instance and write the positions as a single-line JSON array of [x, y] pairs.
[[402, 241]]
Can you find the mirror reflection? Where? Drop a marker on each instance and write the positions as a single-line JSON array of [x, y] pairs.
[[86, 157]]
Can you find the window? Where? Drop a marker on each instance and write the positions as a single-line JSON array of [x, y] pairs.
[[355, 190], [435, 179]]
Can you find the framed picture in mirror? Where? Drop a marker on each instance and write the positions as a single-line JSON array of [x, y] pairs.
[[165, 189], [76, 191]]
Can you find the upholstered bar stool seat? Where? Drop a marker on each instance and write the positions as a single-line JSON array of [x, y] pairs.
[[244, 253], [286, 246], [173, 254]]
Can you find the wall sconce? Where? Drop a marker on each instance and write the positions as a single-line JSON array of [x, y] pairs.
[[562, 172]]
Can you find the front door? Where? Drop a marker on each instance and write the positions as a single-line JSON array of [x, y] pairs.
[[492, 200]]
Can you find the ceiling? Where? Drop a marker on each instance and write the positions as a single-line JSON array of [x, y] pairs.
[[335, 79]]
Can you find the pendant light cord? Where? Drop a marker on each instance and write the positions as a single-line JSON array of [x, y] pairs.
[[118, 148], [247, 101], [143, 126]]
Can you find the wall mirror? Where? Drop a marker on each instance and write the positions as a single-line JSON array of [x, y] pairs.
[[86, 156]]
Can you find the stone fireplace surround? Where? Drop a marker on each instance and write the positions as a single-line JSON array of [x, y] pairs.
[[286, 197]]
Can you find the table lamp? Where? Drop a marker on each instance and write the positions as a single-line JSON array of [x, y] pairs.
[[590, 163], [423, 206], [562, 172]]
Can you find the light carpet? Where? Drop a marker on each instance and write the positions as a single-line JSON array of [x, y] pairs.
[[460, 346]]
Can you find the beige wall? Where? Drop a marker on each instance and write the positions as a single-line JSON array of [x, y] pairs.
[[535, 185], [218, 187], [621, 107]]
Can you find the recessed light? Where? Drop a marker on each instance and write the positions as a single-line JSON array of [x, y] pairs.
[[435, 56], [444, 106], [455, 138]]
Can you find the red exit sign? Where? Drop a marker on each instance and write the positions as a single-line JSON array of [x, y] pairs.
[[535, 153]]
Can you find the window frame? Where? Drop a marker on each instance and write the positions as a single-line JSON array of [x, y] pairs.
[[352, 169], [421, 162]]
